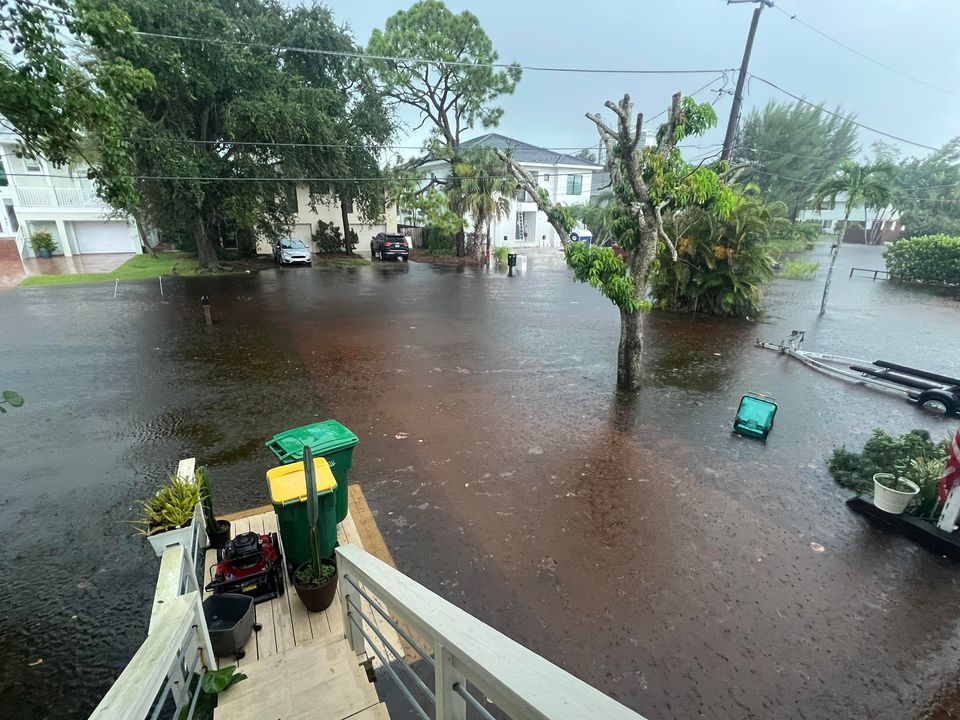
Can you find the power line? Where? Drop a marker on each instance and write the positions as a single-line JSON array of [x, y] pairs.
[[835, 41], [842, 117], [424, 61]]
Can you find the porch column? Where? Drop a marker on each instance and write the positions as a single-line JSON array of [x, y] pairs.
[[64, 239]]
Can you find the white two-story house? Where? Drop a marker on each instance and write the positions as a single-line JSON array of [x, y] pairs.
[[567, 179], [59, 199], [882, 224]]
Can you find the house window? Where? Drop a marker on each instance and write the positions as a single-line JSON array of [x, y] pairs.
[[3, 176], [826, 224], [32, 165], [546, 176], [291, 194], [574, 184]]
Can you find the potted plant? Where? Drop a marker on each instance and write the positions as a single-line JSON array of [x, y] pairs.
[[218, 531], [892, 494], [315, 580], [43, 243], [167, 517]]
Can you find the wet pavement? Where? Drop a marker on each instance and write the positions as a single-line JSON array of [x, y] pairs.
[[627, 537]]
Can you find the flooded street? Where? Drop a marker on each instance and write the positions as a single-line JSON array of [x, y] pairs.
[[628, 538]]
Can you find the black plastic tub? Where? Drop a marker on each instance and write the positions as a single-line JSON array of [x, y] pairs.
[[230, 620]]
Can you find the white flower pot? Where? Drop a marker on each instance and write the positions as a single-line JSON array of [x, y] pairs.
[[889, 500], [161, 541]]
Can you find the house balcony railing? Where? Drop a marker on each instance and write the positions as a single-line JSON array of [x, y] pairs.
[[61, 197]]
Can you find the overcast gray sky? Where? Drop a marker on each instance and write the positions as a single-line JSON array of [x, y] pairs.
[[918, 37]]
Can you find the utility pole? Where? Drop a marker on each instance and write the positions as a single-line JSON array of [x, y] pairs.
[[741, 77]]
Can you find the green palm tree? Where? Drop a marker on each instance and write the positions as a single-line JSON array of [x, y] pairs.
[[868, 185], [484, 189]]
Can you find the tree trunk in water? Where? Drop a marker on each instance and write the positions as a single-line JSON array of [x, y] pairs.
[[461, 242], [206, 254], [486, 258], [833, 261], [144, 241], [345, 220], [630, 352]]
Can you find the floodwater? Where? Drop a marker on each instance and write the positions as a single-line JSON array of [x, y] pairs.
[[627, 537]]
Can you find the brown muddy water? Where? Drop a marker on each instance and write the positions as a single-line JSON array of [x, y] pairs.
[[627, 537]]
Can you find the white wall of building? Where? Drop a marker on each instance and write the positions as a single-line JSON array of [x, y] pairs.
[[328, 210]]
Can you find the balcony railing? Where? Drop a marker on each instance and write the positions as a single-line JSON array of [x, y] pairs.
[[63, 197]]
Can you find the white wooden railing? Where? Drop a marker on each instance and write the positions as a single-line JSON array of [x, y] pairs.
[[159, 680], [64, 197], [470, 659]]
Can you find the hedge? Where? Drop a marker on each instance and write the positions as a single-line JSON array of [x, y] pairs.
[[931, 259]]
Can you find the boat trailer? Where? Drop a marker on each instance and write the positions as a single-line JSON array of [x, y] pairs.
[[931, 391]]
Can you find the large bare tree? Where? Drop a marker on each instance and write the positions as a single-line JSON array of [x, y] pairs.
[[647, 184]]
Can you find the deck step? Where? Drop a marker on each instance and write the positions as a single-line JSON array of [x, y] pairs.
[[324, 680]]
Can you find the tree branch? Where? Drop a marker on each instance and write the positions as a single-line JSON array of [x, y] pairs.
[[528, 183], [657, 213]]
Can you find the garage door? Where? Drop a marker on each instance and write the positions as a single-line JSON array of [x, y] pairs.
[[303, 232], [104, 237]]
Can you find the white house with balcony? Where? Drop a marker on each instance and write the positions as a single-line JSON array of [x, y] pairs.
[[567, 179], [37, 195], [883, 223]]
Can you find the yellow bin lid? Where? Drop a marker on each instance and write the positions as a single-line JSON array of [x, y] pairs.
[[289, 482]]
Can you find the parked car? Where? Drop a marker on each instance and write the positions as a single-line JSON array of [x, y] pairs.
[[387, 246], [291, 250]]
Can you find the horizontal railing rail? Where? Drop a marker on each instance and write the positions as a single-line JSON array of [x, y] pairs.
[[64, 197], [464, 652]]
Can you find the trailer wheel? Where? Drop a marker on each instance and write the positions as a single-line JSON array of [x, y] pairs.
[[938, 401]]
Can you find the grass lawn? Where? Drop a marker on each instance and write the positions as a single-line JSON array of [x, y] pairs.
[[136, 268], [338, 261]]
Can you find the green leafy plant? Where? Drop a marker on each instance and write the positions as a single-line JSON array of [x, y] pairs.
[[799, 269], [913, 456], [500, 254], [42, 240], [214, 682], [893, 482], [927, 259], [11, 398], [317, 572], [327, 237], [439, 242], [171, 508]]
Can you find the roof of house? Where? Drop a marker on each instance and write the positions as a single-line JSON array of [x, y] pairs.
[[525, 152]]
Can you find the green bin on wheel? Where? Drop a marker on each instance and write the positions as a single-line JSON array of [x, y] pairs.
[[288, 493], [328, 439]]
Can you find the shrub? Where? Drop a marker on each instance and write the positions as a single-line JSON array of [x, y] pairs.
[[799, 269], [439, 242], [926, 259], [327, 237], [913, 456], [42, 240], [500, 254], [172, 507], [793, 237]]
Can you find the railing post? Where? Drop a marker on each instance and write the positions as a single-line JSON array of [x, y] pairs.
[[351, 631], [450, 706], [203, 635]]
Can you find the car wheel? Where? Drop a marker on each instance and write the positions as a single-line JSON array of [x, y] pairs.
[[373, 253], [938, 401]]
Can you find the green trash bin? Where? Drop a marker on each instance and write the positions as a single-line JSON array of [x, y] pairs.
[[328, 439], [288, 493]]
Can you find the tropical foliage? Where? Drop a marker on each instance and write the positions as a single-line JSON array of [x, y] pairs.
[[856, 185], [11, 398], [912, 455], [41, 239], [929, 259], [793, 147], [799, 269], [484, 190], [927, 192], [171, 507], [604, 269], [722, 260]]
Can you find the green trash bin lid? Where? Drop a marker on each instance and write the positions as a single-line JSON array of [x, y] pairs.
[[323, 438]]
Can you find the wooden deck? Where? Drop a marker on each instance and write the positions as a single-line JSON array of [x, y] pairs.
[[300, 665]]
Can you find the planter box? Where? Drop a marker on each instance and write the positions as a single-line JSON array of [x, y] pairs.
[[182, 536], [890, 500]]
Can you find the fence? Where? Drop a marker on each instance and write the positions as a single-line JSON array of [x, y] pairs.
[[472, 664]]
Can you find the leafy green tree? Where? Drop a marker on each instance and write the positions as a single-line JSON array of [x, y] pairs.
[[926, 191], [484, 191], [599, 216], [586, 154], [198, 133], [793, 147], [416, 46], [722, 262], [67, 106], [647, 182], [866, 185]]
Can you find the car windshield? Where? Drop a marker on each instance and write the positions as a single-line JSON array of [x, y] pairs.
[[292, 244]]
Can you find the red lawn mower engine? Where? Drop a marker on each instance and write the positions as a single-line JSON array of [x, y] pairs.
[[250, 565]]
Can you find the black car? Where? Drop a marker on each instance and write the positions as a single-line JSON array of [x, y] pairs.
[[387, 246]]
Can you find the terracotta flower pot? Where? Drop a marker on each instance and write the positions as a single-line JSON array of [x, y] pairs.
[[316, 598]]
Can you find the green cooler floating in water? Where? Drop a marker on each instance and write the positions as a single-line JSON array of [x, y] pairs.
[[755, 416], [328, 439]]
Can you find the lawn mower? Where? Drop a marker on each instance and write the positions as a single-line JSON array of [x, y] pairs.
[[250, 565]]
